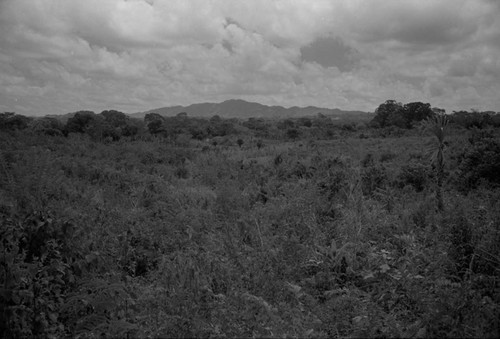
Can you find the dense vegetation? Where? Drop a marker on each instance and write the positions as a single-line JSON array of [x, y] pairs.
[[185, 227]]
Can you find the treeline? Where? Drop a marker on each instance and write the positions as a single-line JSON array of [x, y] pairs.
[[391, 118], [109, 124], [396, 114], [197, 128], [112, 125]]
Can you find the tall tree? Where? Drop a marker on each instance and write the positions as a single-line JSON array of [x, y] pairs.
[[13, 121], [155, 123], [388, 112], [417, 111], [115, 118], [80, 121]]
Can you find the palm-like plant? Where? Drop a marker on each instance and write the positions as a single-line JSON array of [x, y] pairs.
[[437, 125]]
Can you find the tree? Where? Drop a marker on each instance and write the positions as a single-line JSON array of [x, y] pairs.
[[392, 113], [215, 119], [198, 132], [292, 133], [240, 142], [115, 118], [287, 123], [13, 121], [474, 119], [220, 127], [415, 112], [388, 113], [480, 163], [47, 125], [305, 122], [130, 130], [80, 121], [155, 122]]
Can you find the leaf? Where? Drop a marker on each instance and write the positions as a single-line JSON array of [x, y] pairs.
[[295, 289], [53, 316], [384, 268], [120, 327], [334, 292], [333, 248], [368, 275], [308, 332]]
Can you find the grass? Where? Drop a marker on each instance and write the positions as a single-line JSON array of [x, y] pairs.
[[310, 238]]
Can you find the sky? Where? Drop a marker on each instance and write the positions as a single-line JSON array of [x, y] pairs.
[[60, 56]]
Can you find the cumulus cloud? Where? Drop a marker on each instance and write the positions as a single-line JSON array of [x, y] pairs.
[[59, 56]]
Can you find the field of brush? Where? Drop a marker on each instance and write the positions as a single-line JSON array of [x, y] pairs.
[[147, 237]]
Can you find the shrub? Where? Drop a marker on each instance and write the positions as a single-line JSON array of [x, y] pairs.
[[41, 259], [48, 126], [414, 174], [292, 133], [182, 172], [373, 177], [12, 121], [387, 156], [367, 160], [481, 163], [333, 183]]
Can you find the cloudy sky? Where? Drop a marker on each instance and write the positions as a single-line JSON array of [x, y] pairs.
[[59, 56]]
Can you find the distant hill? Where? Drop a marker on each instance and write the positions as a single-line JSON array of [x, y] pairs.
[[243, 110]]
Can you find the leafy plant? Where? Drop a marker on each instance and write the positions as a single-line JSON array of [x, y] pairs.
[[373, 178], [480, 163], [414, 174], [437, 125]]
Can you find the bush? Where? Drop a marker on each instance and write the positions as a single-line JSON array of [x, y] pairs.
[[481, 163], [387, 156], [373, 177], [48, 126], [292, 133], [416, 175], [367, 160]]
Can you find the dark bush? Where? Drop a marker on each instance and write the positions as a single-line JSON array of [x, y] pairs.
[[182, 172], [461, 246], [367, 160], [292, 133], [155, 123], [12, 121], [80, 122], [48, 126], [387, 156], [333, 182], [480, 163], [416, 175], [479, 135], [373, 177]]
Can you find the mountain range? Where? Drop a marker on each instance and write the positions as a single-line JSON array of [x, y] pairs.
[[237, 108]]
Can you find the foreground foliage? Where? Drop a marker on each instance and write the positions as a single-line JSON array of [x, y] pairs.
[[156, 237]]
